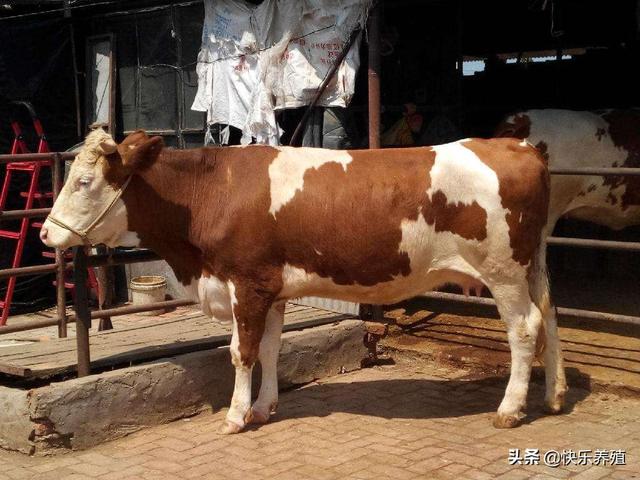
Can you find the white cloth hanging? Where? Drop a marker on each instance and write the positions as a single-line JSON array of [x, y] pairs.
[[255, 59]]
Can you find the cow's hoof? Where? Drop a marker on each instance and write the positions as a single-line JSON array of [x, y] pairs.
[[554, 407], [228, 427], [506, 421], [256, 416]]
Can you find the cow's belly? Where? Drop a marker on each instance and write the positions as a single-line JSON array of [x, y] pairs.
[[214, 298], [299, 283]]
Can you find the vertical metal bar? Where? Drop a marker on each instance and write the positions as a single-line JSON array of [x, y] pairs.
[[373, 36], [57, 168], [83, 316], [74, 63], [177, 29]]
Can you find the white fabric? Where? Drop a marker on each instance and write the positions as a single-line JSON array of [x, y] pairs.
[[247, 65]]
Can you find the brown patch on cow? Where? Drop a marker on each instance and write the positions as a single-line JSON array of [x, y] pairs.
[[600, 132], [624, 130], [543, 148], [516, 126], [524, 190], [357, 216], [467, 221], [590, 189]]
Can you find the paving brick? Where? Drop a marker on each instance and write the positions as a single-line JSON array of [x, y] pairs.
[[393, 422]]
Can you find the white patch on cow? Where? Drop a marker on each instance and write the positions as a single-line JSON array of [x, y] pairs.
[[318, 252], [214, 297], [287, 170], [267, 400]]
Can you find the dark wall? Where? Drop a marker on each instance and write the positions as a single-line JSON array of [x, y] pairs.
[[156, 53], [36, 65]]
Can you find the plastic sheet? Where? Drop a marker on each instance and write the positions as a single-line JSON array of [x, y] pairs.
[[256, 59]]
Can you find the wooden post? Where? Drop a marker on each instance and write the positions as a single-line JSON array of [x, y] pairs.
[[81, 306]]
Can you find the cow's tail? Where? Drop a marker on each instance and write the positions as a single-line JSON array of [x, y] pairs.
[[539, 289]]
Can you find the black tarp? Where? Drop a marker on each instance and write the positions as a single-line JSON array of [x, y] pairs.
[[36, 66]]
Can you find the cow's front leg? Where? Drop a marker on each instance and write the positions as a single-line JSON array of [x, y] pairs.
[[249, 312], [267, 401]]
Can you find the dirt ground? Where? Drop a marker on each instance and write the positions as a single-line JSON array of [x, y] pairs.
[[601, 357]]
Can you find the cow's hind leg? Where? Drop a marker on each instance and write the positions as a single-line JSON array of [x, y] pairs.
[[267, 401], [249, 312], [523, 320]]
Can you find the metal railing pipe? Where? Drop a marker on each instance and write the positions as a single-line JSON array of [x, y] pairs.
[[597, 171], [35, 157], [96, 314], [568, 312], [594, 243]]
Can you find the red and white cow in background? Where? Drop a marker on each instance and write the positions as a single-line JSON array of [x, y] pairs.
[[246, 228], [572, 139]]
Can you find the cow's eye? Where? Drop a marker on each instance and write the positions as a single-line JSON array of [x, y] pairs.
[[84, 181]]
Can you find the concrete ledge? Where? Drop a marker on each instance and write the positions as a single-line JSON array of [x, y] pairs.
[[80, 413]]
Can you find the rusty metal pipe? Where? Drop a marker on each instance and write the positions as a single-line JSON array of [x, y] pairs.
[[373, 74], [603, 172], [96, 314], [83, 316], [20, 214], [35, 157], [122, 258], [594, 243], [568, 312], [31, 270], [57, 173]]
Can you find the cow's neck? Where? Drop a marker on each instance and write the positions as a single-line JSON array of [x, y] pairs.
[[171, 203]]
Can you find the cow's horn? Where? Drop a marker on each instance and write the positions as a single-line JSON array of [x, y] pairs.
[[108, 146]]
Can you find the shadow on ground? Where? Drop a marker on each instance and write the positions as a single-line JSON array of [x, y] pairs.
[[412, 399]]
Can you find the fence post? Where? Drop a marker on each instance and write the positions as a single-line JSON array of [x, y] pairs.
[[61, 294], [81, 306], [373, 75]]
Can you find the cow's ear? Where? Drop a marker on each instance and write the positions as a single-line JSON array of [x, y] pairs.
[[142, 154]]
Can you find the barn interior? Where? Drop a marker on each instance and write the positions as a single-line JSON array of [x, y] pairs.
[[451, 68]]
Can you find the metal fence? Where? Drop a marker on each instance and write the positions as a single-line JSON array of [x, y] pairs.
[[81, 261]]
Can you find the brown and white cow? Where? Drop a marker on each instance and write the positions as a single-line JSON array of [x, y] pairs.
[[573, 139], [246, 228]]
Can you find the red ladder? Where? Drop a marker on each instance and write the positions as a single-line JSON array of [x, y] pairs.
[[32, 170]]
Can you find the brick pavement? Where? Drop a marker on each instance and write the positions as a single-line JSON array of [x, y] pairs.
[[410, 420]]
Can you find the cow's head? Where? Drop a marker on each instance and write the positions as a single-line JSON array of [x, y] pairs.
[[89, 208]]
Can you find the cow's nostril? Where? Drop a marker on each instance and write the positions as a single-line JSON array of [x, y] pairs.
[[43, 233]]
